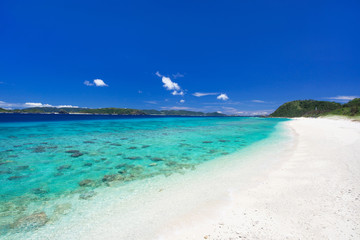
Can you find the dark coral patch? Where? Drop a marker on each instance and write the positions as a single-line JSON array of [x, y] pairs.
[[116, 144], [72, 151], [133, 158], [112, 177], [77, 154], [63, 167], [8, 171], [16, 177], [25, 167], [39, 149], [157, 159], [39, 191], [86, 182]]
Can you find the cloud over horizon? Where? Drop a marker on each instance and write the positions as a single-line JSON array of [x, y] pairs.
[[176, 108], [254, 113], [32, 105], [342, 98]]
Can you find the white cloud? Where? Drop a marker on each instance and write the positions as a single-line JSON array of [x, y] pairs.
[[176, 108], [170, 85], [87, 83], [32, 104], [182, 101], [199, 94], [100, 83], [258, 101], [180, 93], [7, 105], [151, 102], [235, 111], [254, 113], [342, 98], [177, 75], [66, 106], [158, 74], [96, 82], [230, 110], [223, 97]]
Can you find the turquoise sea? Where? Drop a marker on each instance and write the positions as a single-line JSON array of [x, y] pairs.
[[42, 160]]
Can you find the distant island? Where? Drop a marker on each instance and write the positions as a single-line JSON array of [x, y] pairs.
[[109, 111], [313, 108], [297, 108]]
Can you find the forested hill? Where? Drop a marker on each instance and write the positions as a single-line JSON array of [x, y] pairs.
[[313, 108]]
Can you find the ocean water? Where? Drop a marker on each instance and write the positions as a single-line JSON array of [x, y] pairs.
[[47, 158]]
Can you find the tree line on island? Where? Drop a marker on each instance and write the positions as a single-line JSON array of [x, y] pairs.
[[298, 108], [313, 108], [109, 111]]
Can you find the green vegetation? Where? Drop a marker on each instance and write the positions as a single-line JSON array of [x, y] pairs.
[[313, 108], [351, 108], [298, 108], [48, 110], [4, 110], [116, 111], [112, 111]]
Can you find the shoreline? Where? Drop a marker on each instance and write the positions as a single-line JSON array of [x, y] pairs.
[[160, 201], [303, 185], [314, 194]]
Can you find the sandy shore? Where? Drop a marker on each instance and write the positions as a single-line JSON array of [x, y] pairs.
[[304, 184], [314, 194]]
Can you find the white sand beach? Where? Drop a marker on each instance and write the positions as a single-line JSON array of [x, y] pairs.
[[306, 186], [314, 194]]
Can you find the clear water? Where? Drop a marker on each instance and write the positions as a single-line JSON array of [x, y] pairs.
[[47, 160]]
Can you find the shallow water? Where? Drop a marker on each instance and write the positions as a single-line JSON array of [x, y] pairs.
[[48, 160]]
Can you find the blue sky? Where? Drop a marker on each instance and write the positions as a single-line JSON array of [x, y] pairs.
[[251, 56]]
